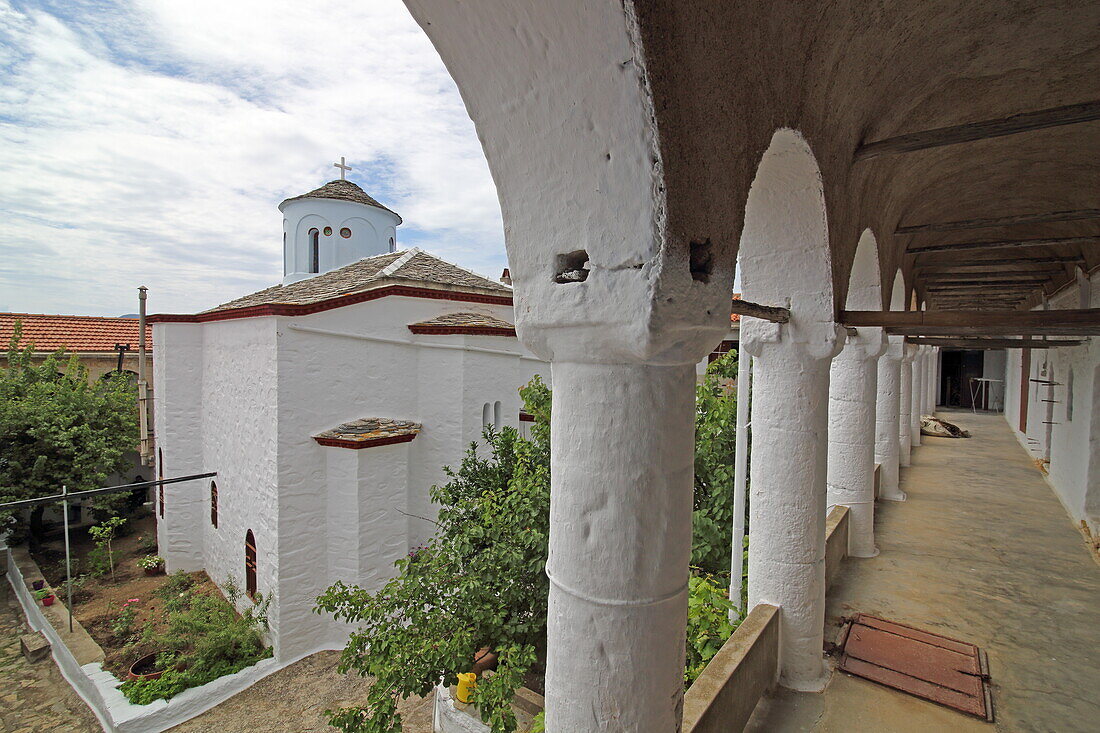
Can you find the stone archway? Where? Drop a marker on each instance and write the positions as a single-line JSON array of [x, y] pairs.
[[853, 385], [785, 260]]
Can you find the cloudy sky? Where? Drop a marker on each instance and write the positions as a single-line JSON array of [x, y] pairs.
[[150, 141]]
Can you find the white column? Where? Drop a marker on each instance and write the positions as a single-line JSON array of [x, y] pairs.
[[740, 479], [622, 458], [787, 501], [905, 408], [917, 397], [853, 388], [933, 381], [887, 445], [936, 365]]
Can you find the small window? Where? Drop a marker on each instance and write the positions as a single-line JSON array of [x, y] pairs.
[[314, 251], [393, 245], [214, 504], [328, 231], [486, 415], [496, 414], [250, 559], [160, 499], [160, 476], [345, 233]]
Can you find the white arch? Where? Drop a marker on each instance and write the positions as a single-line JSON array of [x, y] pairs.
[[865, 280], [785, 261], [897, 293]]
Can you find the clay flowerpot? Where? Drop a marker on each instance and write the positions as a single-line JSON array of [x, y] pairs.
[[159, 569], [48, 600], [144, 668], [37, 585]]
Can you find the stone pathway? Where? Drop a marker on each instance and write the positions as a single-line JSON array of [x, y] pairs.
[[295, 699], [34, 698]]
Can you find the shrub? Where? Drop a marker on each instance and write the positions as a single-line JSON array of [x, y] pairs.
[[103, 534], [709, 624], [150, 562], [205, 639]]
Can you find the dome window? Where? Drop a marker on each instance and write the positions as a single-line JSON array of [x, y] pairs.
[[345, 233]]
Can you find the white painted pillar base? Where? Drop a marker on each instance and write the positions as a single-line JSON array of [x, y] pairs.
[[887, 445], [917, 397], [787, 504], [905, 409], [853, 382], [620, 542]]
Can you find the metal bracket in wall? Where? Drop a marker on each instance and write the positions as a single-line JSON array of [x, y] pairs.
[[930, 666]]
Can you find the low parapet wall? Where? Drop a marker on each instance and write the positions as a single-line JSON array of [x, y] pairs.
[[99, 688]]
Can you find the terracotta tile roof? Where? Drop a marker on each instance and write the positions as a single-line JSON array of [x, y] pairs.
[[369, 431], [736, 317], [409, 267], [465, 323], [73, 333], [344, 191]]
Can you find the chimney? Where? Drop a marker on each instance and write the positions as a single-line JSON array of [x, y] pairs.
[[506, 277]]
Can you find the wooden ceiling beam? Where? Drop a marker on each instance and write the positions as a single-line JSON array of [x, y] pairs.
[[1001, 221], [1005, 243], [973, 284], [991, 343], [974, 276], [983, 267], [1084, 321], [1070, 114], [987, 261]]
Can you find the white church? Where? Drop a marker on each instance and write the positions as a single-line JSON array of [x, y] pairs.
[[328, 406]]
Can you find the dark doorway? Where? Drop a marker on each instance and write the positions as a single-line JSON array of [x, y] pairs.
[[959, 367], [250, 565]]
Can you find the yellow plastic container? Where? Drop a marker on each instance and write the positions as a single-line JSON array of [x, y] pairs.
[[467, 681]]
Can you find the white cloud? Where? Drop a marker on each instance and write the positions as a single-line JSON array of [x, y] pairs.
[[149, 142]]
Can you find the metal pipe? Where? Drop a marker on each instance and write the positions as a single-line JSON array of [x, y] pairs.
[[24, 503], [68, 556], [740, 478]]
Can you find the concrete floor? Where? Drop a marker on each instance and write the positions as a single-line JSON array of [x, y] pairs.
[[983, 552]]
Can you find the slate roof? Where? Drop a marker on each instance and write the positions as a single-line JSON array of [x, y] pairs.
[[344, 191], [409, 267], [476, 323], [369, 431], [72, 333]]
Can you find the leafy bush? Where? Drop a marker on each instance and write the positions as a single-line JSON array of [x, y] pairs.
[[205, 639], [478, 583], [715, 432], [103, 534], [709, 624]]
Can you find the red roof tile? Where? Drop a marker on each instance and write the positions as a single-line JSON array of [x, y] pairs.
[[735, 317], [72, 333]]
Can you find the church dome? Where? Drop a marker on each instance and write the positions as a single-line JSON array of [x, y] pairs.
[[342, 190]]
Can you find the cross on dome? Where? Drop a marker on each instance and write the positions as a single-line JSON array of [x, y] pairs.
[[343, 168]]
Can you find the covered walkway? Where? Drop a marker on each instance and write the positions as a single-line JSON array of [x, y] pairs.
[[982, 551]]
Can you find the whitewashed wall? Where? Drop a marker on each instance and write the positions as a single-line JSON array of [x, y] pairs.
[[327, 376], [1074, 440], [178, 383], [371, 231]]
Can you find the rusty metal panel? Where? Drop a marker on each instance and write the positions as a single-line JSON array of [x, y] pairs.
[[934, 667]]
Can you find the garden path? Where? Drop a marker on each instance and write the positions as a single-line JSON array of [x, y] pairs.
[[295, 699], [34, 698]]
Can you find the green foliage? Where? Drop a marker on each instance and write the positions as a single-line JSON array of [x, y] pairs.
[[205, 638], [539, 724], [104, 534], [709, 622], [57, 429], [478, 583], [715, 432], [123, 625]]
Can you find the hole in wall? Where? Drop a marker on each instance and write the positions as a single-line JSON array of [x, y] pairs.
[[571, 267], [701, 260]]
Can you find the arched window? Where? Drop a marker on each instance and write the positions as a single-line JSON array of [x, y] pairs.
[[486, 415], [250, 565], [393, 245], [314, 250], [496, 414], [214, 504]]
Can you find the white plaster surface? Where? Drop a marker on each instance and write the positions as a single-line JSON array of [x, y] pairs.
[[1074, 438], [905, 407], [887, 418]]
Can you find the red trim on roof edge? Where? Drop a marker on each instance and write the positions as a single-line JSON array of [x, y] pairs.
[[357, 444], [463, 330], [305, 309]]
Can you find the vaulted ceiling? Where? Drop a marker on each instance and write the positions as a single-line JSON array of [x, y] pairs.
[[986, 191]]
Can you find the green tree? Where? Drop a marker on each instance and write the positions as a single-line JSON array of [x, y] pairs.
[[715, 432], [57, 429]]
